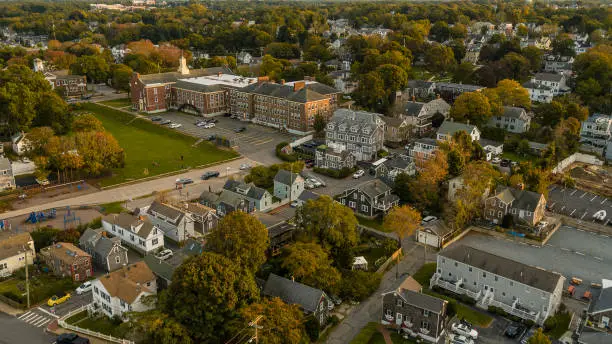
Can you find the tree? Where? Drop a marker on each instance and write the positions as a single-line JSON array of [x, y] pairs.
[[539, 338], [511, 93], [401, 186], [394, 78], [403, 221], [425, 188], [99, 151], [563, 45], [551, 113], [371, 91], [319, 125], [588, 89], [53, 111], [309, 264], [523, 148], [440, 31], [329, 222], [87, 122], [280, 323], [472, 106], [158, 327], [121, 75], [464, 73], [206, 292], [456, 161], [515, 66], [39, 138], [242, 238], [440, 58], [534, 56], [95, 67]]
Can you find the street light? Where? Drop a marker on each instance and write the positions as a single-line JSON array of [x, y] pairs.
[[227, 171]]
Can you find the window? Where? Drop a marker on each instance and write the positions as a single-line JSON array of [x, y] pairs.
[[364, 208], [496, 278], [117, 260], [352, 204], [399, 303], [425, 313], [155, 241], [499, 214], [470, 269], [456, 264], [75, 267], [389, 312], [504, 293], [399, 317], [77, 277], [96, 290], [511, 283], [425, 325], [484, 274]]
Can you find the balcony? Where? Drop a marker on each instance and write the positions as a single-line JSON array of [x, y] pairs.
[[514, 310], [455, 287]]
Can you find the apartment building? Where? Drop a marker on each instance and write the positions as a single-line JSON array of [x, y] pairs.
[[525, 291], [359, 132], [597, 130]]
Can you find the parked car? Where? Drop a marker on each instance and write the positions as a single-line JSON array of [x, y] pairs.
[[514, 331], [165, 121], [211, 137], [428, 219], [504, 163], [227, 114], [83, 288], [209, 125], [495, 160], [527, 335], [315, 182], [164, 254], [358, 174], [156, 118], [56, 300], [464, 330], [459, 339], [295, 204], [308, 185], [184, 181], [200, 123], [245, 166], [309, 163], [210, 174], [175, 125], [335, 299], [71, 338], [213, 120], [239, 129]]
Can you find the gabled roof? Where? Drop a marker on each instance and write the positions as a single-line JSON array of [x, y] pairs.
[[173, 214], [419, 84], [398, 163], [413, 108], [12, 244], [374, 188], [99, 243], [252, 191], [549, 77], [514, 112], [127, 284], [450, 128], [423, 301], [64, 251], [520, 199], [290, 292], [307, 195], [131, 223], [485, 142], [285, 177], [603, 303], [392, 121], [516, 271]]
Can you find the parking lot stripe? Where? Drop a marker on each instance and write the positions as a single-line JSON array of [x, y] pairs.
[[593, 198], [580, 230], [562, 208], [598, 258], [604, 201], [583, 195], [579, 253], [582, 217], [573, 192], [24, 315], [553, 205], [572, 212], [263, 142], [564, 249]]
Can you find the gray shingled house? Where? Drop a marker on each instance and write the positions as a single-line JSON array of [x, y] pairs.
[[600, 309], [259, 199], [525, 206], [371, 198], [106, 253], [311, 300], [288, 185], [513, 119]]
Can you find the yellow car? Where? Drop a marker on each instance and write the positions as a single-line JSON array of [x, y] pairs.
[[56, 300]]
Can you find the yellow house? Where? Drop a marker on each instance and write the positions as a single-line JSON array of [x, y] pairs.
[[13, 247]]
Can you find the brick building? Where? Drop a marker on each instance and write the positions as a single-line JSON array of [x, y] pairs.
[[67, 260], [73, 85]]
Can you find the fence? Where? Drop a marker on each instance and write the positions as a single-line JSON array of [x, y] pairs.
[[384, 265], [576, 157], [300, 141], [11, 302], [62, 322]]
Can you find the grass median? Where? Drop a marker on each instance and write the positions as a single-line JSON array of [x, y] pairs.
[[152, 149]]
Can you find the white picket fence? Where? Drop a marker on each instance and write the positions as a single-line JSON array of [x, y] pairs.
[[62, 322]]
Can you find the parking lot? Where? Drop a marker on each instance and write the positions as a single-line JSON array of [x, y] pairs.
[[579, 204], [256, 142]]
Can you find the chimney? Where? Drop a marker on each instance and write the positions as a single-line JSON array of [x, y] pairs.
[[263, 79], [124, 269], [298, 85], [219, 75], [413, 99], [282, 82], [183, 69], [437, 95]]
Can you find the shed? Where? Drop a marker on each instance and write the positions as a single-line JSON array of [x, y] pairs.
[[360, 263]]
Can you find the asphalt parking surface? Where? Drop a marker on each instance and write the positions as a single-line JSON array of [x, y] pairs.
[[257, 142], [578, 204], [570, 252]]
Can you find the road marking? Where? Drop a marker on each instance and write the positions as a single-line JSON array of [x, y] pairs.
[[583, 195], [30, 316], [598, 258], [579, 253], [24, 315], [565, 249], [572, 212], [593, 198], [562, 208], [603, 235], [549, 245], [51, 314], [42, 322], [573, 192], [583, 215], [580, 230], [553, 205], [604, 201], [264, 142]]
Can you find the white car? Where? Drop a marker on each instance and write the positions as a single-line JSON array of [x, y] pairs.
[[308, 185], [209, 125], [175, 125], [496, 160], [83, 288], [428, 219], [464, 330], [201, 124], [458, 339], [315, 182], [245, 166], [358, 174], [295, 204], [164, 254]]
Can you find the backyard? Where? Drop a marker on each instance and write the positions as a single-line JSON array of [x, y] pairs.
[[376, 223], [152, 149], [42, 286], [101, 324], [371, 335]]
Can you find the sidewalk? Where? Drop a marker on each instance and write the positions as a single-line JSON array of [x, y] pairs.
[[4, 308]]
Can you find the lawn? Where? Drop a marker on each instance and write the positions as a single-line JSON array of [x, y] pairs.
[[423, 275], [152, 149], [515, 157], [77, 318], [370, 335], [561, 323], [42, 287], [100, 324], [118, 103], [419, 73], [113, 208], [376, 223]]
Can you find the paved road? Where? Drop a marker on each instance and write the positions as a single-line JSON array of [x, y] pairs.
[[578, 204], [13, 330], [570, 252], [257, 142], [144, 188]]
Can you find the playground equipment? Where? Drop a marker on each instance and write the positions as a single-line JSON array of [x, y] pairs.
[[40, 216], [70, 219], [4, 224]]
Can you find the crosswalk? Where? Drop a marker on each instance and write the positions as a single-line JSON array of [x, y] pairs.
[[36, 318]]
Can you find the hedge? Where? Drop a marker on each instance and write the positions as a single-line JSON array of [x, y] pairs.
[[338, 174]]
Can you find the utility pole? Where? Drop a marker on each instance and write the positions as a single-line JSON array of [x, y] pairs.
[[27, 277], [254, 325]]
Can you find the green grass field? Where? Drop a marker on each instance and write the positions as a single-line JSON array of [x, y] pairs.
[[118, 103], [152, 149]]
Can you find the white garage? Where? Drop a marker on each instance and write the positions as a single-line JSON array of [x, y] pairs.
[[434, 234]]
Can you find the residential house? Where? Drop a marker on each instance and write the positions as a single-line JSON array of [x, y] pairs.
[[180, 222], [288, 185], [450, 91], [72, 85], [387, 169], [164, 269], [67, 260], [449, 128], [259, 199], [279, 235], [106, 253], [422, 149], [20, 143], [558, 64], [343, 81], [397, 130], [596, 130], [13, 250], [415, 314], [328, 157], [513, 120], [434, 233], [537, 148], [491, 148], [7, 180], [538, 92], [544, 86], [124, 290], [225, 202], [359, 132], [472, 54], [600, 309], [135, 231], [306, 196], [311, 300], [525, 291], [420, 88], [419, 115], [524, 206], [371, 198]]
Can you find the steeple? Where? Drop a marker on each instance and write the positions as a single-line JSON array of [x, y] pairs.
[[183, 69]]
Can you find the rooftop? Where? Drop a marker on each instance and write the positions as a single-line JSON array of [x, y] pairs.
[[450, 128], [291, 292], [128, 283], [64, 251], [220, 79], [12, 244]]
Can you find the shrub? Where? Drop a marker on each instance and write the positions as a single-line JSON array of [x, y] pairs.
[[382, 153], [334, 320], [359, 285], [284, 156], [312, 328], [338, 174], [11, 295]]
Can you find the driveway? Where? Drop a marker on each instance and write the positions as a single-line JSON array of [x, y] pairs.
[[578, 204], [257, 142]]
